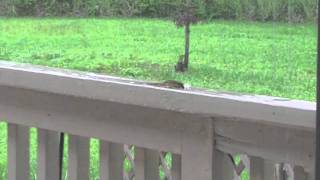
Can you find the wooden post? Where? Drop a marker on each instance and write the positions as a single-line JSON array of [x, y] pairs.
[[198, 148]]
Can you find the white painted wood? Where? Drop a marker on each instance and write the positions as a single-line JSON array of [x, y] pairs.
[[223, 168], [139, 161], [280, 173], [310, 172], [311, 175], [258, 139], [157, 118], [116, 158], [106, 88], [104, 160], [197, 148], [151, 133], [255, 164], [78, 164], [77, 111], [48, 155], [299, 173], [269, 170], [18, 152], [176, 167], [103, 120], [152, 161], [147, 164], [256, 168], [111, 161], [106, 120], [289, 172]]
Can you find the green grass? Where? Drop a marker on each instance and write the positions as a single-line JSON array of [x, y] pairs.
[[275, 59], [260, 58]]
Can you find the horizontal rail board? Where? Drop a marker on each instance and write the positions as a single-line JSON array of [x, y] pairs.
[[113, 122], [106, 88], [279, 144]]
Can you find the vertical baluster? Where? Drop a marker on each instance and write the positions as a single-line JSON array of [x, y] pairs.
[[176, 167], [223, 168], [299, 173], [116, 158], [256, 168], [259, 168], [111, 161], [18, 152], [152, 162], [104, 160], [48, 155], [78, 168], [269, 170], [311, 175], [139, 161], [288, 171], [280, 173], [147, 164]]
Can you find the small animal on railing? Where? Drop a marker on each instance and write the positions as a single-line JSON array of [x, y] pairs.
[[169, 84]]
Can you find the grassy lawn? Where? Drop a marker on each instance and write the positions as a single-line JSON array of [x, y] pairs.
[[275, 59], [261, 58]]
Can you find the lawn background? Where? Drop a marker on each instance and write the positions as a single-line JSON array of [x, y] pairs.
[[271, 58]]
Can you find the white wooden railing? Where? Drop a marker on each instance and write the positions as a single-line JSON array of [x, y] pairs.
[[274, 136]]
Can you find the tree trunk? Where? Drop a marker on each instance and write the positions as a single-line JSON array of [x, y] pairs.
[[40, 8], [187, 45]]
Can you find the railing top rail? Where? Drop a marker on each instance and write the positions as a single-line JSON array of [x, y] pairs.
[[266, 109]]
